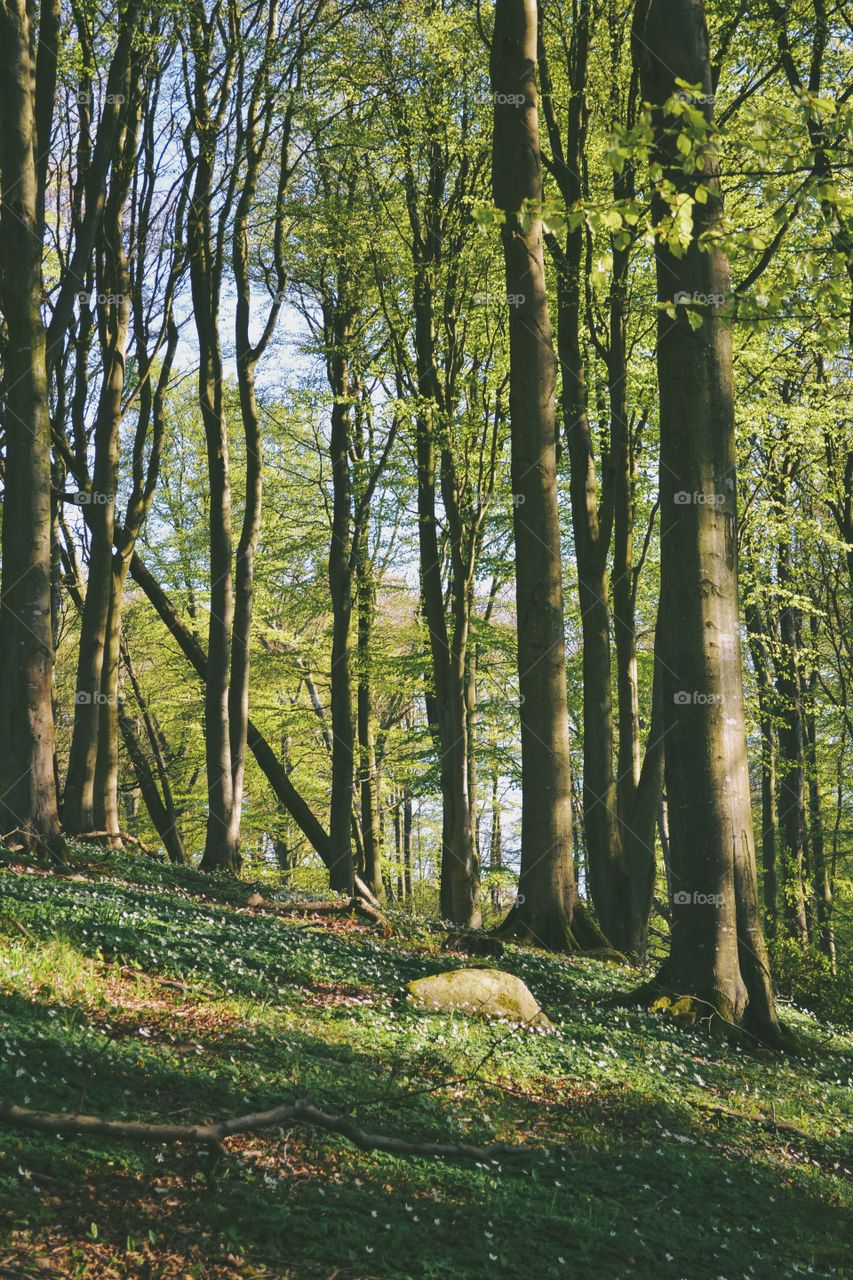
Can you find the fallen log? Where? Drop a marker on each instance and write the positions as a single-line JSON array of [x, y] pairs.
[[212, 1136], [357, 904]]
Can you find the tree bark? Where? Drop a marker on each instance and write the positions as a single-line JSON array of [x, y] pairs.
[[757, 639], [791, 797], [90, 800], [821, 883], [368, 767], [718, 951], [28, 799], [547, 908], [338, 329]]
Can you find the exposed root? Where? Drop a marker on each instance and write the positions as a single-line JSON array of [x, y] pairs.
[[550, 932], [708, 1010]]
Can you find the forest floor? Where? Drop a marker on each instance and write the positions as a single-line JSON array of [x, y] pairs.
[[131, 990]]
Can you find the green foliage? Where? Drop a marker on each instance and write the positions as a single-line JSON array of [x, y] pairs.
[[804, 975]]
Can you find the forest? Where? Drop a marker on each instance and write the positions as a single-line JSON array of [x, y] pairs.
[[426, 660]]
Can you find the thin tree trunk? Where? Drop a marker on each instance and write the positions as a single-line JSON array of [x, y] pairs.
[[160, 816], [764, 681], [592, 513], [368, 768], [407, 845], [821, 886], [791, 781], [221, 851], [90, 800], [339, 328], [459, 883], [166, 817]]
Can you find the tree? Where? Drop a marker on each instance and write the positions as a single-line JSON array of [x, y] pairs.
[[548, 911], [28, 799], [718, 952]]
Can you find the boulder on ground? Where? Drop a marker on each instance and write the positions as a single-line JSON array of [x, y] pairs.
[[490, 993]]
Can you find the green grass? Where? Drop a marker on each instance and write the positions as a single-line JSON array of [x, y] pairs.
[[643, 1175]]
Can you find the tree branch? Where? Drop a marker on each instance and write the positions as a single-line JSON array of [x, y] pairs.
[[213, 1135]]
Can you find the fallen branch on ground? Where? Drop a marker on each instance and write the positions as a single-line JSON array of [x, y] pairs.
[[123, 836], [213, 1136], [357, 904], [768, 1122]]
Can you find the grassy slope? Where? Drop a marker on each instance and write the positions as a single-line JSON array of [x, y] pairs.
[[643, 1177]]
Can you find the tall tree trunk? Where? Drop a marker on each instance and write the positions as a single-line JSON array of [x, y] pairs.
[[91, 790], [107, 817], [791, 781], [593, 516], [28, 799], [339, 329], [821, 885], [407, 845], [368, 767], [79, 802], [221, 851], [459, 882], [244, 572], [764, 680], [547, 911], [718, 952]]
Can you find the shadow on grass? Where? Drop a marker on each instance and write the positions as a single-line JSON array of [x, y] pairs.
[[629, 1189]]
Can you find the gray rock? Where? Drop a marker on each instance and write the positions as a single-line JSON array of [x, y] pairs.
[[491, 993]]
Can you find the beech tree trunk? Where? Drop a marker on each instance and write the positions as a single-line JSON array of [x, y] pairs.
[[460, 889], [617, 843], [368, 767], [341, 590], [718, 952], [28, 799], [764, 680], [90, 801], [547, 904], [821, 883], [221, 850], [791, 797]]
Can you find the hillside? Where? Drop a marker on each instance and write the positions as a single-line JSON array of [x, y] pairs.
[[130, 990]]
